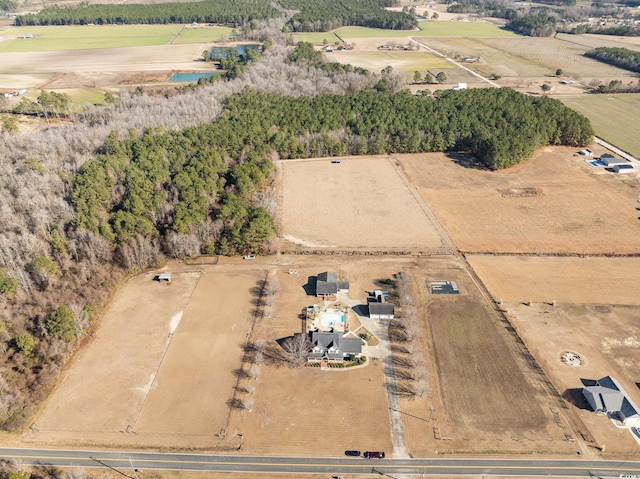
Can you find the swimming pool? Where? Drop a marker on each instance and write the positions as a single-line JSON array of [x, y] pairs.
[[327, 320]]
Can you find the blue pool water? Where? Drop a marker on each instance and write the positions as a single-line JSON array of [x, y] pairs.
[[329, 319], [190, 77]]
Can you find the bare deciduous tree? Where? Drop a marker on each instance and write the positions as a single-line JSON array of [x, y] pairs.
[[296, 349]]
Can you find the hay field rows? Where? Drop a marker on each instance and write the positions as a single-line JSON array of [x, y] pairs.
[[564, 217], [364, 202], [614, 117], [89, 37], [463, 29], [85, 37], [470, 359], [525, 57], [404, 62]]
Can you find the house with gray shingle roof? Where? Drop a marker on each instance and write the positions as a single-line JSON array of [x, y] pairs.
[[608, 396], [333, 347], [327, 284]]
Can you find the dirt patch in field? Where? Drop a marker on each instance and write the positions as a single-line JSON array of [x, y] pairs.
[[566, 280], [360, 203], [583, 209], [605, 337]]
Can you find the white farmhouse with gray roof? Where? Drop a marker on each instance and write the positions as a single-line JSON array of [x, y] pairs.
[[333, 347], [608, 396]]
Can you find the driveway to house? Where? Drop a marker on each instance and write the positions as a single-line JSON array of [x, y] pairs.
[[380, 329]]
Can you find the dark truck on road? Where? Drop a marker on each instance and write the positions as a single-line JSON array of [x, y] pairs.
[[374, 455]]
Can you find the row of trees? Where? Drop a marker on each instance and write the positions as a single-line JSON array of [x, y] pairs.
[[620, 57], [320, 15], [539, 24], [232, 12], [500, 126]]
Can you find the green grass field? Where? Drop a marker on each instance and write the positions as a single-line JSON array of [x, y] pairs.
[[431, 29], [316, 38], [364, 32], [614, 117], [86, 37], [463, 29], [203, 34]]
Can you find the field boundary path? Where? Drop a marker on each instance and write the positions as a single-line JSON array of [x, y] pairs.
[[175, 37], [451, 60]]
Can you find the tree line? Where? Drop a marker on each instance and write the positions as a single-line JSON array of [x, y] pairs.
[[319, 15], [620, 57], [500, 126]]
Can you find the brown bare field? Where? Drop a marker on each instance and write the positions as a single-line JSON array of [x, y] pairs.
[[167, 379], [159, 365], [526, 57], [566, 280], [576, 208], [484, 396], [606, 338], [361, 203]]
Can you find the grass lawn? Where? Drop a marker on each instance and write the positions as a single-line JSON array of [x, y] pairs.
[[85, 37], [364, 32], [316, 38], [463, 29], [202, 34], [614, 117]]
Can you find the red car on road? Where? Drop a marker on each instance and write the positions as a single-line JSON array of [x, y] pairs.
[[374, 455]]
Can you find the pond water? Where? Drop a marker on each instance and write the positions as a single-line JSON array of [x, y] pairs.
[[190, 77]]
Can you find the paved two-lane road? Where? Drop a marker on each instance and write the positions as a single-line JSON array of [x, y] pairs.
[[127, 461]]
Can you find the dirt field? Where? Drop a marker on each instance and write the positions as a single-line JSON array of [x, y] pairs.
[[141, 387], [606, 337], [566, 280], [546, 204], [361, 203], [484, 396]]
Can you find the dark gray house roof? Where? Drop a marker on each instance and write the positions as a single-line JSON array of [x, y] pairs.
[[381, 308], [333, 345], [327, 283], [608, 396]]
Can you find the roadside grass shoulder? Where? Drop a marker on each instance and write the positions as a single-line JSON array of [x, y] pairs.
[[59, 38]]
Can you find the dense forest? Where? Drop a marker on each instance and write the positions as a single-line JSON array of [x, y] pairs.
[[319, 15], [620, 57], [540, 24]]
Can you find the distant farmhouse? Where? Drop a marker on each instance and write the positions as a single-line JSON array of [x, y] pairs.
[[333, 347], [327, 285], [608, 396], [610, 160]]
